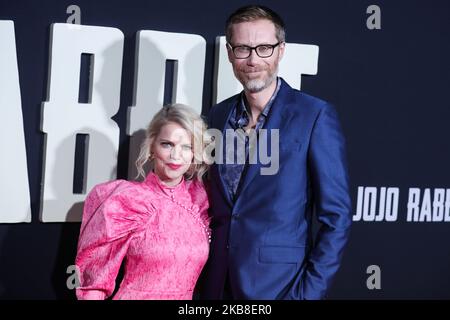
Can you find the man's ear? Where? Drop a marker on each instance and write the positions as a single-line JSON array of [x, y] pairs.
[[230, 53], [281, 49]]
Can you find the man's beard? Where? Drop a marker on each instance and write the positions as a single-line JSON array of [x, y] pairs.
[[258, 85]]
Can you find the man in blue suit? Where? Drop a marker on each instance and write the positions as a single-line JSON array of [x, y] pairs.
[[263, 246]]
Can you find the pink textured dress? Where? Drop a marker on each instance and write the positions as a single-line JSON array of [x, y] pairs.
[[161, 232]]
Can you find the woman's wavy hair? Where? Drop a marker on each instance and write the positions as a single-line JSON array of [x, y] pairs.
[[189, 120]]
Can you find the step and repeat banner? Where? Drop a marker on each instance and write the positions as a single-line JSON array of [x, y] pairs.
[[80, 80]]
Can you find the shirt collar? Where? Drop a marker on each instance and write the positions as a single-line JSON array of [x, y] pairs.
[[155, 183], [242, 114]]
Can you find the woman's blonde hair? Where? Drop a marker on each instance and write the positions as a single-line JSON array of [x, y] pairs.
[[189, 120]]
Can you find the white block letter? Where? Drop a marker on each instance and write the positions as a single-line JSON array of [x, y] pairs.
[[425, 209], [392, 204], [413, 204], [359, 203], [370, 202], [15, 194], [64, 116], [154, 48], [438, 205]]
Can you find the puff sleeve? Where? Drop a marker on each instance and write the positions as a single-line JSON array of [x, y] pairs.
[[113, 213]]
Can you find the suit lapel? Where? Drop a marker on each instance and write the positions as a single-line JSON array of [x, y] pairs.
[[219, 122]]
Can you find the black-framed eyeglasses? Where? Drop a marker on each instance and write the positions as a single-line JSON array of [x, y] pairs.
[[263, 50]]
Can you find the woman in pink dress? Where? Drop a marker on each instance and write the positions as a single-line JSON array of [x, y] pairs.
[[158, 227]]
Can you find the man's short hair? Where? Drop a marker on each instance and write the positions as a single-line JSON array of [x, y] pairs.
[[253, 13]]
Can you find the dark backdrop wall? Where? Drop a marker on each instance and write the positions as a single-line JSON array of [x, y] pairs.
[[390, 87]]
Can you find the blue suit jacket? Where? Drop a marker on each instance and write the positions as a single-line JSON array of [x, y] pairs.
[[264, 239]]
